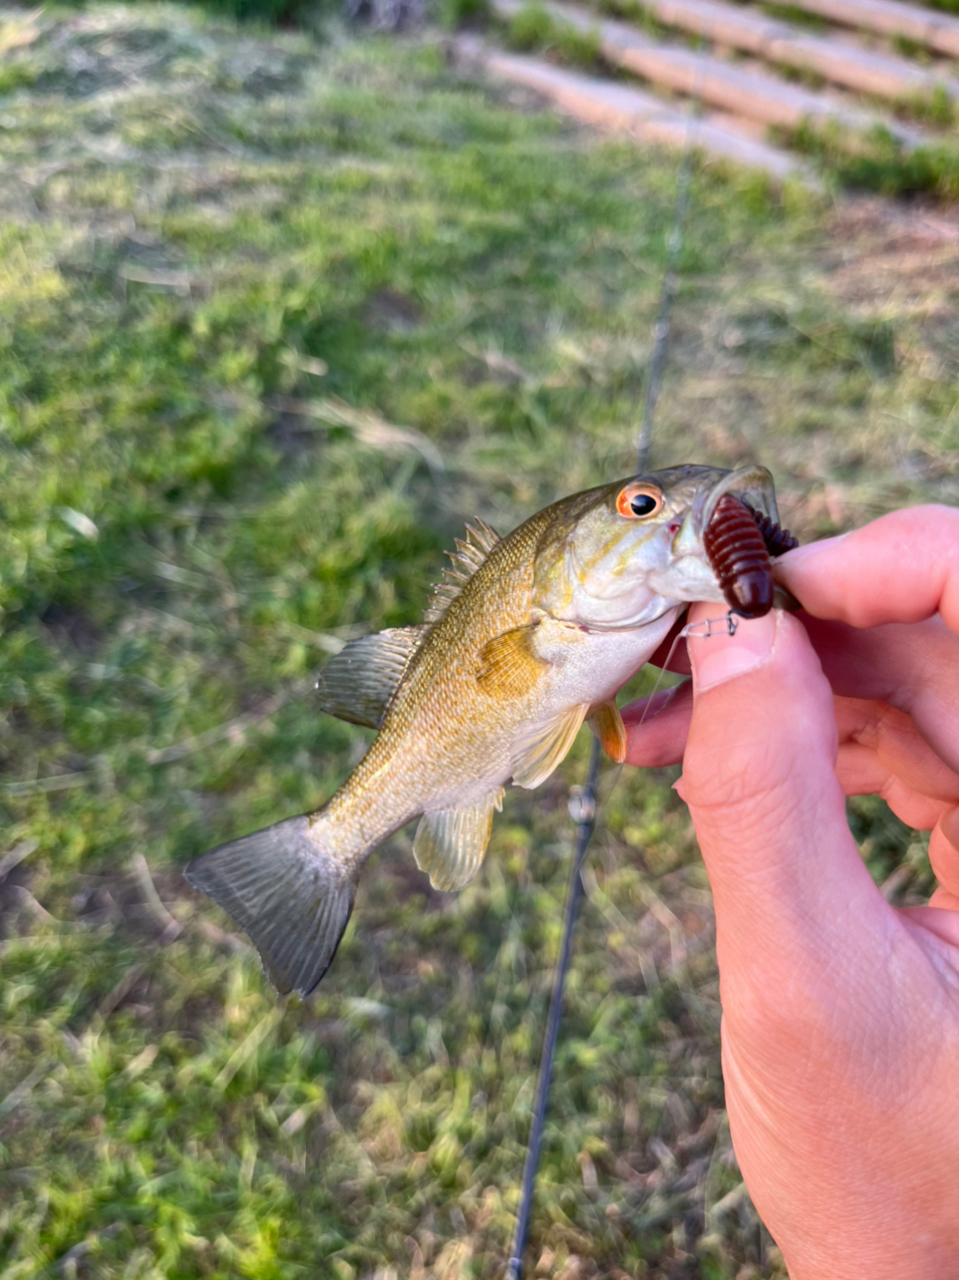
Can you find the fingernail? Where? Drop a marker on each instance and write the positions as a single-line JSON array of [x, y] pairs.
[[949, 826], [721, 657]]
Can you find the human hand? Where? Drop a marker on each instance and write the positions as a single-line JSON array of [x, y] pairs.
[[840, 1013]]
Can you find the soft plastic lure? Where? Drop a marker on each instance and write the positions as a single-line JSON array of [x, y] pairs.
[[739, 542]]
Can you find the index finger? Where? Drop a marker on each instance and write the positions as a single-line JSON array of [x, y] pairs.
[[903, 567]]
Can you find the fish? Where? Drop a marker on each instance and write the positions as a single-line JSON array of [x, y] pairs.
[[525, 637]]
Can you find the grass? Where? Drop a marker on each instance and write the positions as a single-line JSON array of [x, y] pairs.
[[796, 16], [250, 286], [534, 28], [876, 161]]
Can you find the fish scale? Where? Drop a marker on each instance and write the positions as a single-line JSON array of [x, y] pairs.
[[525, 637]]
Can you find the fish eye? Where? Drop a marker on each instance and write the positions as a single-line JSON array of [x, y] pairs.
[[639, 500]]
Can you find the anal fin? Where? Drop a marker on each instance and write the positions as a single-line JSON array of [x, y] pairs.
[[544, 746], [607, 724], [450, 845]]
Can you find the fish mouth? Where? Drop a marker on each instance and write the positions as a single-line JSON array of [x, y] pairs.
[[689, 574], [753, 485]]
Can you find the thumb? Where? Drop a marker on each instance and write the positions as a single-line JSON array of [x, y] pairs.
[[759, 778]]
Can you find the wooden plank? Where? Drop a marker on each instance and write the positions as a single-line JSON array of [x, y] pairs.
[[929, 27], [775, 41], [623, 109], [741, 91]]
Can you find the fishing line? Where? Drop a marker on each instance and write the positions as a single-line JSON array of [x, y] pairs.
[[585, 802], [701, 630], [582, 801], [662, 327]]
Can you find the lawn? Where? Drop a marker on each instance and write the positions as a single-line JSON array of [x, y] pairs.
[[277, 315]]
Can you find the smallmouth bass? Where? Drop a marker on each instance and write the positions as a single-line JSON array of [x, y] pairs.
[[525, 638]]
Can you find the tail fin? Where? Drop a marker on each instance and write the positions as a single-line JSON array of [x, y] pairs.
[[291, 897]]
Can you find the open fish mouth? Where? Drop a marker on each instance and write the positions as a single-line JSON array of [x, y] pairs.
[[740, 537], [752, 485], [729, 534]]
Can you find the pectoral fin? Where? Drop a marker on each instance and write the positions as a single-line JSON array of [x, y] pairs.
[[358, 683], [450, 846], [607, 724], [508, 666], [544, 746]]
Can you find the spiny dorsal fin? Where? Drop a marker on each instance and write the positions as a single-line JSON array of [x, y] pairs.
[[450, 846], [606, 722], [470, 553], [544, 746], [358, 683]]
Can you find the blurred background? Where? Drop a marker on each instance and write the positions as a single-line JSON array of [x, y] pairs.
[[287, 295]]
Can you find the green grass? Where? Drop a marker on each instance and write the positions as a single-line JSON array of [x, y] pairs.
[[796, 16], [877, 161], [637, 14], [249, 286], [534, 28]]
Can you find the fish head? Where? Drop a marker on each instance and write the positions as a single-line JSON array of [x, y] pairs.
[[622, 555]]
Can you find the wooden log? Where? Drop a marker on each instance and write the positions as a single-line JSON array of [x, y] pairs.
[[741, 91], [738, 28], [935, 30], [623, 109]]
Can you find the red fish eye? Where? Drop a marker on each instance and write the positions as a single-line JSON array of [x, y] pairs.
[[638, 500]]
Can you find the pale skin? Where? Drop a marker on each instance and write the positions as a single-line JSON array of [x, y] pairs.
[[840, 1036]]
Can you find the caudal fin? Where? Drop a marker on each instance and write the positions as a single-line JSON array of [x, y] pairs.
[[291, 897]]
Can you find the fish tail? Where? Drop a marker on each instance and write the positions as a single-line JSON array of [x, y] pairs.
[[290, 894]]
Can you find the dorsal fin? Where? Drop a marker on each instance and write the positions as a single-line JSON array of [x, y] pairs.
[[358, 683], [470, 553]]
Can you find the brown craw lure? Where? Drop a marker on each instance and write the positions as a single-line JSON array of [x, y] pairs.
[[739, 542]]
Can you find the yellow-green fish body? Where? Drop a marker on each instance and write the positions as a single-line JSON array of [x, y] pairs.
[[527, 636]]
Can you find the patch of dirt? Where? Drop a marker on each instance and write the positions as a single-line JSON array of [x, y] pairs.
[[391, 311], [896, 257], [72, 627]]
